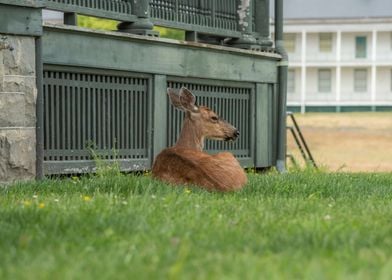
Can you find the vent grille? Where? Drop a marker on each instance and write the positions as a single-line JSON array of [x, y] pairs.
[[232, 103], [107, 113]]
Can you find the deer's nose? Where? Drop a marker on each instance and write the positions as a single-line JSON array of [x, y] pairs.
[[236, 133]]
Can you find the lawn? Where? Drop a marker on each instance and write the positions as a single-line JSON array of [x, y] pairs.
[[348, 142], [300, 225]]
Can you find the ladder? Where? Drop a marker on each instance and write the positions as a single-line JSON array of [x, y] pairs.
[[300, 142]]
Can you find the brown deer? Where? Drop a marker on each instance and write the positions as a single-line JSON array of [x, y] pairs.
[[186, 163]]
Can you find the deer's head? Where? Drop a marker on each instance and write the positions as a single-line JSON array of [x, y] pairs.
[[204, 120]]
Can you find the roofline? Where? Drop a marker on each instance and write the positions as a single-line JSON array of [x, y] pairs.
[[338, 20]]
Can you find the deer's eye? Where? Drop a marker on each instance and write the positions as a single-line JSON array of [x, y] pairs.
[[214, 118]]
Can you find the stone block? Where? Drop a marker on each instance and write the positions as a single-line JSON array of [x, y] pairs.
[[27, 86], [20, 60], [17, 155], [12, 109]]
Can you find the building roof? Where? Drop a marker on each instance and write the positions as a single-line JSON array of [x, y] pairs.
[[336, 9]]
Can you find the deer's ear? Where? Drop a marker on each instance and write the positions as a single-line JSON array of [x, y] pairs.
[[174, 99], [188, 100]]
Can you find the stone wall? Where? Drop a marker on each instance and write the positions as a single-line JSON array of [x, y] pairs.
[[17, 108]]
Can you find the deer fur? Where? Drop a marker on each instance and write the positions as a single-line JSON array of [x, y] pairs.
[[186, 163]]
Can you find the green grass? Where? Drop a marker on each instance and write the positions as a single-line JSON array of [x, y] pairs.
[[301, 225]]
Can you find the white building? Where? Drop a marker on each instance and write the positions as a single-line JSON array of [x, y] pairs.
[[340, 55]]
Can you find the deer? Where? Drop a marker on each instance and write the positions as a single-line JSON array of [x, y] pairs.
[[185, 163]]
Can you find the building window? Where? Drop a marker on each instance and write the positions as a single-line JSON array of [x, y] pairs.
[[325, 42], [291, 81], [360, 47], [324, 80], [360, 80], [289, 41]]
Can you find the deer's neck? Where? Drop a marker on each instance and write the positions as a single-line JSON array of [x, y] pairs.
[[190, 136]]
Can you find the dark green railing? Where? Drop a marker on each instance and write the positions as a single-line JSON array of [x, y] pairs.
[[238, 23], [111, 9], [206, 16]]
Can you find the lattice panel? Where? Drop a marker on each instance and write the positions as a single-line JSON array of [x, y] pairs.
[[232, 103], [107, 113], [219, 14]]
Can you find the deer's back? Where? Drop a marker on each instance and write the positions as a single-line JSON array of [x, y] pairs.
[[185, 166]]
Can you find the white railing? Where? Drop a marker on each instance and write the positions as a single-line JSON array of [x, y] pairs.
[[320, 96], [321, 57], [384, 96], [356, 96]]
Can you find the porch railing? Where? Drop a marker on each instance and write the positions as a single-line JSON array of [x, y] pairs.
[[240, 23], [120, 10]]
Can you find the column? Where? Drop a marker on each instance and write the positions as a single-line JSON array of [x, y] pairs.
[[373, 87], [245, 26], [262, 22], [143, 25], [18, 90], [338, 67], [303, 71]]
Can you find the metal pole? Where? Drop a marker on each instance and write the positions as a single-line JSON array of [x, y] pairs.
[[282, 87], [39, 128]]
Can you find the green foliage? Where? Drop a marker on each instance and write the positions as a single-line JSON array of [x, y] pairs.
[[170, 33], [97, 23], [300, 225], [105, 24]]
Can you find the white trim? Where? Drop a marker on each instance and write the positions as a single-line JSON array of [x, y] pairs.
[[333, 26], [338, 20], [338, 67], [303, 70], [338, 46], [344, 103], [373, 79]]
